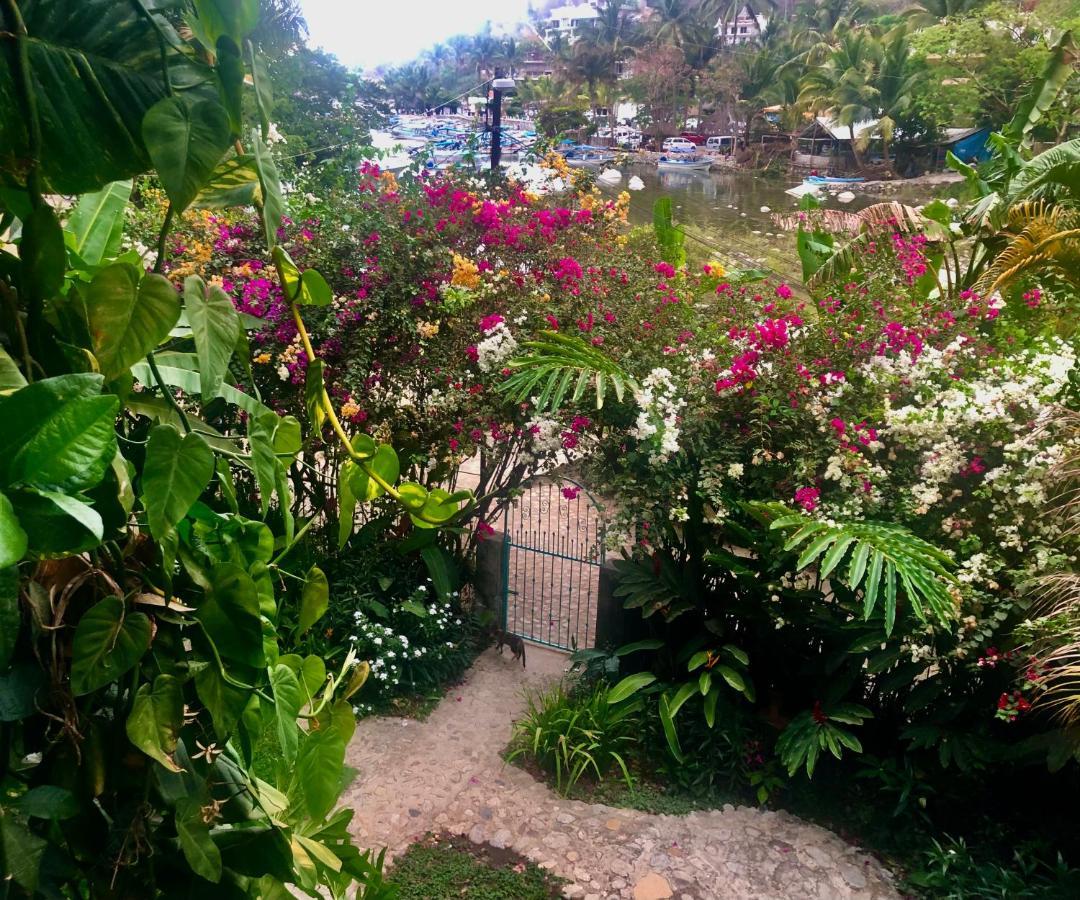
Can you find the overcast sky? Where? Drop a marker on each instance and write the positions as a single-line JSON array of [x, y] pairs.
[[368, 33]]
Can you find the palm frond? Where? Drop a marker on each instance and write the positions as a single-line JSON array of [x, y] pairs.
[[558, 362], [883, 560], [1044, 236]]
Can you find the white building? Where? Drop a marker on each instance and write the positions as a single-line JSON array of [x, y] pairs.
[[745, 27], [568, 20]]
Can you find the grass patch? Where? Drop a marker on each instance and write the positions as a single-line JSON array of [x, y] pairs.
[[442, 865]]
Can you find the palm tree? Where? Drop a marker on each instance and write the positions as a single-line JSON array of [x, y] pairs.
[[940, 10], [844, 85], [757, 85], [896, 82], [511, 53]]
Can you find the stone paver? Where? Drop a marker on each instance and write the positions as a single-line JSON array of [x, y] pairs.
[[446, 774]]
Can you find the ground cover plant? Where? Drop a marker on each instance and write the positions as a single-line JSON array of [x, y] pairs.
[[445, 866]]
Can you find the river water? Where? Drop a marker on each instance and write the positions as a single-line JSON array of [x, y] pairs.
[[728, 216]]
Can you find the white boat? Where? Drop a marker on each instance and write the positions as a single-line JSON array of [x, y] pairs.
[[588, 156], [684, 162]]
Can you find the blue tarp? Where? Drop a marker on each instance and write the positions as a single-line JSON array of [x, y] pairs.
[[974, 146]]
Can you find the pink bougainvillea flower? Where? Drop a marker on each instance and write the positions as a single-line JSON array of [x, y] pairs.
[[807, 498]]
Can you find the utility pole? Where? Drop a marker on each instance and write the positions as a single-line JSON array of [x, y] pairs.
[[496, 122]]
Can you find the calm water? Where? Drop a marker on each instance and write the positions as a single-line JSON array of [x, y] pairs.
[[722, 213]]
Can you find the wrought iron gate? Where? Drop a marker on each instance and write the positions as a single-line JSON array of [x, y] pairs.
[[552, 553]]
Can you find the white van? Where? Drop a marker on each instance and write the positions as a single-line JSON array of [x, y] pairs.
[[722, 143]]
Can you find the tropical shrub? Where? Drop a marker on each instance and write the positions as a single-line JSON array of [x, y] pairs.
[[147, 525], [572, 733]]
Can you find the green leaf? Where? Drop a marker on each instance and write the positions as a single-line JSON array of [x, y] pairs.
[[385, 464], [630, 685], [346, 503], [439, 563], [438, 509], [185, 142], [873, 583], [235, 19], [95, 69], [697, 660], [56, 522], [215, 327], [1059, 67], [230, 72], [97, 222], [314, 601], [711, 699], [273, 208], [317, 780], [47, 801], [263, 460], [668, 724], [314, 291], [176, 472], [313, 395], [60, 436], [11, 378], [128, 316], [231, 615], [264, 98], [108, 641], [21, 851], [732, 677], [42, 254], [647, 644], [225, 702], [684, 693], [288, 700], [156, 718], [13, 544], [200, 851], [10, 617], [232, 183]]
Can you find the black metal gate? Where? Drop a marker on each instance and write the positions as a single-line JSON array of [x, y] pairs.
[[552, 553]]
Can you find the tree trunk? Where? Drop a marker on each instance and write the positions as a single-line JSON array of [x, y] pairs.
[[855, 150]]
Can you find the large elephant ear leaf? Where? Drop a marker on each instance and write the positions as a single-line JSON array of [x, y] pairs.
[[108, 641], [186, 142], [95, 70]]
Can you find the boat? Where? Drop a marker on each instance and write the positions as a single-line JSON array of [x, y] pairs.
[[684, 162], [830, 179], [584, 155]]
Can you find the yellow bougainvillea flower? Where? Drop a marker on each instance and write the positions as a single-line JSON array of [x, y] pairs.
[[466, 273]]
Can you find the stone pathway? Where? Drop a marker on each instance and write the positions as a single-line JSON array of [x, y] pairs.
[[446, 774]]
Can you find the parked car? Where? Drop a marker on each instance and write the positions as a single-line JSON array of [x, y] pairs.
[[678, 145], [722, 143], [696, 139], [627, 137]]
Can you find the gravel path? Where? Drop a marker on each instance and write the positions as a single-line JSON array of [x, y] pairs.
[[446, 773]]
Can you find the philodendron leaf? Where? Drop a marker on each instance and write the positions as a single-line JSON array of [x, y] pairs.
[[10, 618], [11, 379], [230, 615], [108, 641], [185, 143], [128, 316], [273, 207], [13, 540], [156, 718], [288, 700], [315, 599], [176, 472], [55, 521], [42, 253], [200, 851], [215, 327]]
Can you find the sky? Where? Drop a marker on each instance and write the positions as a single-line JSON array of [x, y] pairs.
[[368, 33]]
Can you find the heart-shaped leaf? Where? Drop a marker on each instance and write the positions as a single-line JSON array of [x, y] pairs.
[[108, 641], [97, 222], [215, 326], [13, 540], [230, 615], [185, 143], [128, 316], [315, 599], [176, 472], [156, 718]]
